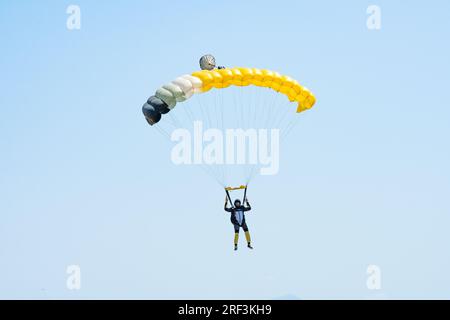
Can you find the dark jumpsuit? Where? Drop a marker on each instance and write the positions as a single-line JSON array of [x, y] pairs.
[[238, 217]]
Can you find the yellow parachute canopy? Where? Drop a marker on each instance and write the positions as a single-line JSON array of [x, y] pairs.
[[222, 78]]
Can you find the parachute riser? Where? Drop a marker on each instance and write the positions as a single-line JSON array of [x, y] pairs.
[[229, 198]]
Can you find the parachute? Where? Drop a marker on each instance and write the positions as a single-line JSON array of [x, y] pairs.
[[256, 102], [182, 88]]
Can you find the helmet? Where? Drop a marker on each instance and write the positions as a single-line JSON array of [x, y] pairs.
[[237, 203]]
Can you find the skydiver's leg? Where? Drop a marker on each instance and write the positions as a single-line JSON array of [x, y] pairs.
[[236, 235], [247, 235]]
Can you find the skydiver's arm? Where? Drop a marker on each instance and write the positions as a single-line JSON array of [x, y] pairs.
[[225, 206], [248, 207]]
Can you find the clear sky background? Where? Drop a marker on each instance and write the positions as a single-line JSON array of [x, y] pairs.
[[84, 180]]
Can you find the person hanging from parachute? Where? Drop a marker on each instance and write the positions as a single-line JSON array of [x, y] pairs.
[[237, 217]]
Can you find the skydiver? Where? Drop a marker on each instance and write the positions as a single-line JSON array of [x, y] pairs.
[[238, 220]]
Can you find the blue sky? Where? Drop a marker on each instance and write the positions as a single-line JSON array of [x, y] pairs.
[[85, 181]]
